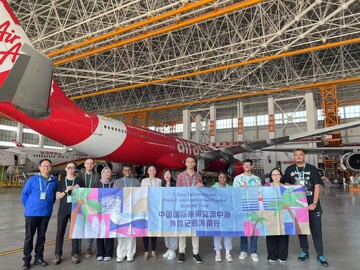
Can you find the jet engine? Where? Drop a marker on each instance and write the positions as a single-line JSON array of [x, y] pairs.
[[351, 161], [114, 166]]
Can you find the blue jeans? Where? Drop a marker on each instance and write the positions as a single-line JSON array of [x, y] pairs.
[[244, 244]]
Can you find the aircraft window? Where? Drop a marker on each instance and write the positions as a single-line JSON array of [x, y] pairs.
[[105, 126], [112, 128], [115, 129]]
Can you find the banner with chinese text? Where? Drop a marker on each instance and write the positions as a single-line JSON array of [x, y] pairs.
[[188, 211]]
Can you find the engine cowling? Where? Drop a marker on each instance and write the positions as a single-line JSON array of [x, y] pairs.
[[235, 168], [114, 166], [351, 161]]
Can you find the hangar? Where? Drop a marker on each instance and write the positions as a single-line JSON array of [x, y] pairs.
[[217, 72]]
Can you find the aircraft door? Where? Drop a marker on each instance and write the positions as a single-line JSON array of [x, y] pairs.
[[22, 159], [96, 127]]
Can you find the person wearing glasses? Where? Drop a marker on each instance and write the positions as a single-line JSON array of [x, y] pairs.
[[277, 245], [64, 195], [126, 245], [38, 198], [89, 178]]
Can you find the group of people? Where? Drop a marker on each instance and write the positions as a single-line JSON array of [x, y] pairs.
[[41, 191]]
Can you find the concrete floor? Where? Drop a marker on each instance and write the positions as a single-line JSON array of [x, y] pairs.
[[341, 223]]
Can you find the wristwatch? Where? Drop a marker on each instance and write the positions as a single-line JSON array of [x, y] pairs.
[[315, 203]]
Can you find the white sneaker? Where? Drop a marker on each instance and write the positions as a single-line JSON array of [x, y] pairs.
[[172, 255], [255, 257], [281, 261], [229, 258], [167, 253], [217, 257], [100, 258], [120, 259], [106, 259], [243, 255], [130, 258], [271, 261]]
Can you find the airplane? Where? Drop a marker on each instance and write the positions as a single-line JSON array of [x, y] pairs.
[[29, 95], [349, 160], [23, 160]]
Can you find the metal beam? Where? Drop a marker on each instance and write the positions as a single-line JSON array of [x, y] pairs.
[[121, 30], [178, 25], [258, 93], [222, 67]]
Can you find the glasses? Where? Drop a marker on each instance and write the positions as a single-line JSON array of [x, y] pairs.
[[45, 166], [276, 174], [73, 168]]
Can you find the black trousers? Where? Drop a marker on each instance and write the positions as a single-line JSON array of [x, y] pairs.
[[146, 243], [105, 247], [277, 247], [316, 232], [62, 222], [32, 225]]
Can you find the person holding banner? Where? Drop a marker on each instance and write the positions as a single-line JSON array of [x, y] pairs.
[[105, 246], [277, 245], [126, 245], [171, 243], [217, 239], [89, 178], [38, 198], [63, 194], [189, 178], [247, 179], [302, 173], [151, 181]]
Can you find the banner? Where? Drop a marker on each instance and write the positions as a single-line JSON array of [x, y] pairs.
[[188, 211]]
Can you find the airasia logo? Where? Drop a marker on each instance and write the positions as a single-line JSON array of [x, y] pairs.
[[9, 37], [190, 148]]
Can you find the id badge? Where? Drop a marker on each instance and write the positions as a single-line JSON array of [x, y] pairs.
[[69, 198], [309, 193], [42, 195]]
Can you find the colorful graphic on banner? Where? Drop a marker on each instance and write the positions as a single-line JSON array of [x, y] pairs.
[[188, 211]]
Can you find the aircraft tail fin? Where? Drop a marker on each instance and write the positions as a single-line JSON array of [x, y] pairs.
[[18, 144], [25, 73]]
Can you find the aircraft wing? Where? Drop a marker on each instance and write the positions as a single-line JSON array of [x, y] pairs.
[[228, 152], [315, 150]]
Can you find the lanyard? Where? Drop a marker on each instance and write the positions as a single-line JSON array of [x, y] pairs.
[[47, 185], [131, 182], [151, 183], [302, 174], [66, 184], [91, 176], [187, 180], [106, 184]]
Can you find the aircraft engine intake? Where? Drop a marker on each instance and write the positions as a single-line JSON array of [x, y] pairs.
[[115, 167], [351, 161], [235, 168]]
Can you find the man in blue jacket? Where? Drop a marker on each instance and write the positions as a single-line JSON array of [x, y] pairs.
[[38, 197]]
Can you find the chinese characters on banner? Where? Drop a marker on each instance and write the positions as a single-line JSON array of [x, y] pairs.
[[187, 211]]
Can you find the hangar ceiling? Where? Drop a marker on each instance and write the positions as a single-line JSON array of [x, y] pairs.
[[119, 56]]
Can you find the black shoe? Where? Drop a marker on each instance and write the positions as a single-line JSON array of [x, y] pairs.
[[26, 266], [40, 262], [303, 256], [322, 260], [181, 257], [57, 260], [197, 258]]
